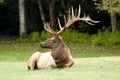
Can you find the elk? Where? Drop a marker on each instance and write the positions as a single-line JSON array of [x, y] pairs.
[[59, 55]]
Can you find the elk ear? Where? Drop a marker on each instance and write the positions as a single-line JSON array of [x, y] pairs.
[[57, 37]]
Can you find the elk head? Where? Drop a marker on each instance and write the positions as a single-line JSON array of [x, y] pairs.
[[56, 40]]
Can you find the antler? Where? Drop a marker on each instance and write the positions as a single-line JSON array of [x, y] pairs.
[[73, 17]]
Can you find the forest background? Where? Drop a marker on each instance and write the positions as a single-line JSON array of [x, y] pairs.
[[24, 18]]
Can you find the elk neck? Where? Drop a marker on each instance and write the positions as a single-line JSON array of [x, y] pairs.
[[59, 49]]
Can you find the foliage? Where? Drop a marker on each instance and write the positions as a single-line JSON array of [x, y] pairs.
[[114, 38], [106, 38], [101, 38], [68, 36], [9, 14], [1, 1], [109, 5], [45, 35], [34, 36]]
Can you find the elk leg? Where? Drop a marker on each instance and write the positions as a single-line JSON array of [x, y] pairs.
[[32, 62], [51, 65], [69, 64]]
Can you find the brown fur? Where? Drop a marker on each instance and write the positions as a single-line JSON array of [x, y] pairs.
[[60, 51]]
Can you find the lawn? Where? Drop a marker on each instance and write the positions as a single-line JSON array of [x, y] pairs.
[[91, 62], [21, 51], [100, 68]]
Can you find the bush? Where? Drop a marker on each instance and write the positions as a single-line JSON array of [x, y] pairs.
[[106, 38], [74, 36], [45, 35], [102, 38], [68, 36], [114, 38], [34, 36], [98, 39]]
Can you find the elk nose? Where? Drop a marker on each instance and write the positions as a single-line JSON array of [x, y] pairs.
[[42, 45]]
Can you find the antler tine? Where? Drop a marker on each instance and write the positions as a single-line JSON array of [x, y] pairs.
[[84, 15], [72, 12], [48, 29], [59, 23], [69, 14], [75, 12], [92, 20], [88, 20], [61, 28], [65, 20], [72, 17], [89, 23], [79, 10]]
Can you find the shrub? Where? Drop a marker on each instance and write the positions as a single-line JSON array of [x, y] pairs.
[[45, 35], [106, 38], [84, 38], [70, 35], [102, 38], [74, 36], [98, 39], [114, 38], [34, 36]]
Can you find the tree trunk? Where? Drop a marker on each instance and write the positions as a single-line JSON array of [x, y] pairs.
[[118, 22], [113, 21], [41, 12], [22, 29], [51, 12], [33, 21]]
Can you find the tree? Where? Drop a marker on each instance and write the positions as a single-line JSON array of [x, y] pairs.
[[51, 12], [22, 29], [41, 12], [1, 1], [113, 7], [51, 8]]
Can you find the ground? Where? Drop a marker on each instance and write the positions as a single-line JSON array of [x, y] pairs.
[[91, 62], [95, 68]]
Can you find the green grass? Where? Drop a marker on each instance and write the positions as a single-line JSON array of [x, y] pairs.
[[91, 62], [102, 68], [21, 51]]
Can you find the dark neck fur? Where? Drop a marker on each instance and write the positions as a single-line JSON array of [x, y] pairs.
[[58, 50]]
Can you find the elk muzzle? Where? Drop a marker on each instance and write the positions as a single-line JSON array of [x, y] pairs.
[[43, 45], [46, 45]]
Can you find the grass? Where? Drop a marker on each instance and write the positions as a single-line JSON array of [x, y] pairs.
[[91, 62], [102, 68], [21, 51]]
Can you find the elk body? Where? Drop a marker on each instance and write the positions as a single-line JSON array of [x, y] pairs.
[[59, 56], [41, 61], [59, 51]]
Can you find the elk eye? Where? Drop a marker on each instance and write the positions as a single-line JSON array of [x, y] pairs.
[[54, 41]]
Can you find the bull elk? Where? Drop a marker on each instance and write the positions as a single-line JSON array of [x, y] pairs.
[[59, 56]]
